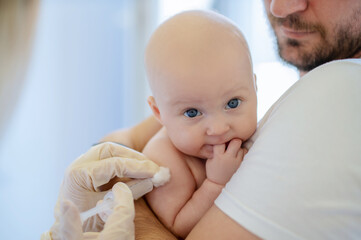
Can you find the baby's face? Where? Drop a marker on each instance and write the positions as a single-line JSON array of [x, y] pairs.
[[207, 99]]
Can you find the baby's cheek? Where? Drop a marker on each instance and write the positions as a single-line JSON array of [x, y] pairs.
[[189, 143], [246, 129], [251, 129]]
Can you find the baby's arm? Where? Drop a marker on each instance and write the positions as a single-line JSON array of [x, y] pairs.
[[168, 200], [219, 170], [179, 204]]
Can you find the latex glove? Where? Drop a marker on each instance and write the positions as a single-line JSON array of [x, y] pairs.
[[85, 177], [119, 225]]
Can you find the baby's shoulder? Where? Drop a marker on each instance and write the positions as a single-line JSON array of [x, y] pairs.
[[159, 140], [161, 150]]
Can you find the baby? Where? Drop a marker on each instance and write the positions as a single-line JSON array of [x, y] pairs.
[[204, 93]]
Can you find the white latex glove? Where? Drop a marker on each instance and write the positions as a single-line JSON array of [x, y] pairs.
[[85, 176], [119, 225]]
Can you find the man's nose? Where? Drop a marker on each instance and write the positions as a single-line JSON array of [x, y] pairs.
[[283, 8], [217, 126]]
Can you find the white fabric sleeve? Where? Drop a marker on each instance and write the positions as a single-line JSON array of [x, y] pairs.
[[301, 178]]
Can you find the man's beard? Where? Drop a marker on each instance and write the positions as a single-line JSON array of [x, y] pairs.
[[346, 42]]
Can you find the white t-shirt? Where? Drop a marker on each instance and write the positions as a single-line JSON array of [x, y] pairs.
[[301, 178]]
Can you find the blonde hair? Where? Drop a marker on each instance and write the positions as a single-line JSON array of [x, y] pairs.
[[17, 21]]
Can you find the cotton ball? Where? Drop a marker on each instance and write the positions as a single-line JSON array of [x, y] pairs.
[[161, 177]]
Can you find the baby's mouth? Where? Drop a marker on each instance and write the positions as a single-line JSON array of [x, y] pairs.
[[227, 143]]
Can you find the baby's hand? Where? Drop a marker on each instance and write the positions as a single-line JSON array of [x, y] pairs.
[[225, 162]]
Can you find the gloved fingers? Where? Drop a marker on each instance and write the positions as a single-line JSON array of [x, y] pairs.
[[91, 235], [120, 224], [123, 196], [78, 187], [69, 226], [46, 236], [104, 215], [128, 167], [101, 172], [106, 150], [93, 224], [109, 149]]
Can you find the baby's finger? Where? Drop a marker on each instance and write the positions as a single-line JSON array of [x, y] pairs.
[[241, 153], [219, 149], [234, 146]]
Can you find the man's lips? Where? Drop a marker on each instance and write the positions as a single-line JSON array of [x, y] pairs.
[[296, 34]]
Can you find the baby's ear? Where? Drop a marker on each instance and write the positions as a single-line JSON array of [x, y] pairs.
[[153, 106], [255, 81]]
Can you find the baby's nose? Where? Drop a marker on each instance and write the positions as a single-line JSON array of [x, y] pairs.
[[217, 127]]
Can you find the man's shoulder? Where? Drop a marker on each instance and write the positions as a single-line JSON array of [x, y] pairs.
[[338, 79], [335, 78], [349, 62], [356, 61], [344, 72]]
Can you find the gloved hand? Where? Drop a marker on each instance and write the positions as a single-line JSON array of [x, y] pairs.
[[85, 179], [119, 224]]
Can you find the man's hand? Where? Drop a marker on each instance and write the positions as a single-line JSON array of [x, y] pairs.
[[225, 161], [147, 225]]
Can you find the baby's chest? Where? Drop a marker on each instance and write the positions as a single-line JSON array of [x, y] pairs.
[[198, 169]]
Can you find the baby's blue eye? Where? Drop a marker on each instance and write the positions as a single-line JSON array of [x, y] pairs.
[[233, 103], [191, 113]]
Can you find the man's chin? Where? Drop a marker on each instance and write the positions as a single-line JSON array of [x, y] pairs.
[[290, 57], [293, 53]]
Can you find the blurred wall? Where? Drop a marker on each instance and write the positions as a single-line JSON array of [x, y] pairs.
[[85, 78]]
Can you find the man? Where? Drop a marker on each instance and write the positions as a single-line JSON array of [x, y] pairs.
[[301, 176], [309, 34]]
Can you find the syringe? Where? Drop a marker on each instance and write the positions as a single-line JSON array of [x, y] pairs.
[[139, 188]]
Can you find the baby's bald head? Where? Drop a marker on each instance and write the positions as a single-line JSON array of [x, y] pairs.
[[190, 42]]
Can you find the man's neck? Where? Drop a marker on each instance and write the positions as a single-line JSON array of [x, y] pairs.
[[302, 73], [357, 55]]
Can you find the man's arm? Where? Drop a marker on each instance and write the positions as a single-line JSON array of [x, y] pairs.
[[147, 226], [217, 225], [137, 136], [214, 225]]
